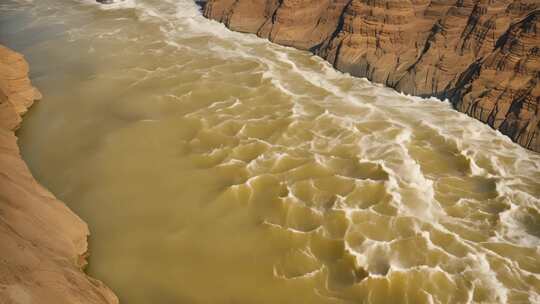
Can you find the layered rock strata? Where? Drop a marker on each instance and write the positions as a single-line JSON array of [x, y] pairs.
[[483, 55], [43, 245]]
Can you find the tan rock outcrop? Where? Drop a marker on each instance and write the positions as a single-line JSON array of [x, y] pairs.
[[481, 54], [43, 245]]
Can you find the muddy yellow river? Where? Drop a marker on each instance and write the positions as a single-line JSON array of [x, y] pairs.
[[215, 167]]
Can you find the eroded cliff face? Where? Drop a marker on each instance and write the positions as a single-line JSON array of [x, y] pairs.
[[43, 245], [481, 54]]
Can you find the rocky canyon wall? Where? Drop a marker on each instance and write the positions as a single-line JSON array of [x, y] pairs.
[[43, 245], [483, 55]]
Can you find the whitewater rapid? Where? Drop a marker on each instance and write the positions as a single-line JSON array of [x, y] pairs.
[[216, 167]]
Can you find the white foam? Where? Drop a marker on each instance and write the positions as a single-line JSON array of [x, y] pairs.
[[474, 140], [117, 4]]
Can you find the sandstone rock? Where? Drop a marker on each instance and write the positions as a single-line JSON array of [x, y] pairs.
[[43, 245], [481, 54], [503, 89]]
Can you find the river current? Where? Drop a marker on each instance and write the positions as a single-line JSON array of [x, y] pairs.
[[216, 167]]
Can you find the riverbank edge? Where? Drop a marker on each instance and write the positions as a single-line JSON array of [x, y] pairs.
[[500, 88], [43, 243]]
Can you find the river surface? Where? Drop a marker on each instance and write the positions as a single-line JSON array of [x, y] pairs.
[[215, 167]]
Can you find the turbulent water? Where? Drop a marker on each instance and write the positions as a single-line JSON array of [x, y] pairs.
[[215, 167]]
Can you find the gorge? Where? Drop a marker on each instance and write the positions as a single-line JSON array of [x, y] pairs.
[[216, 167]]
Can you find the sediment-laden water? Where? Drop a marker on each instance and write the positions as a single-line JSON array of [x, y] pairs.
[[215, 167]]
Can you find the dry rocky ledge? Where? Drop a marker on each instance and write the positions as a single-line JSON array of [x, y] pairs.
[[43, 245], [483, 55]]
